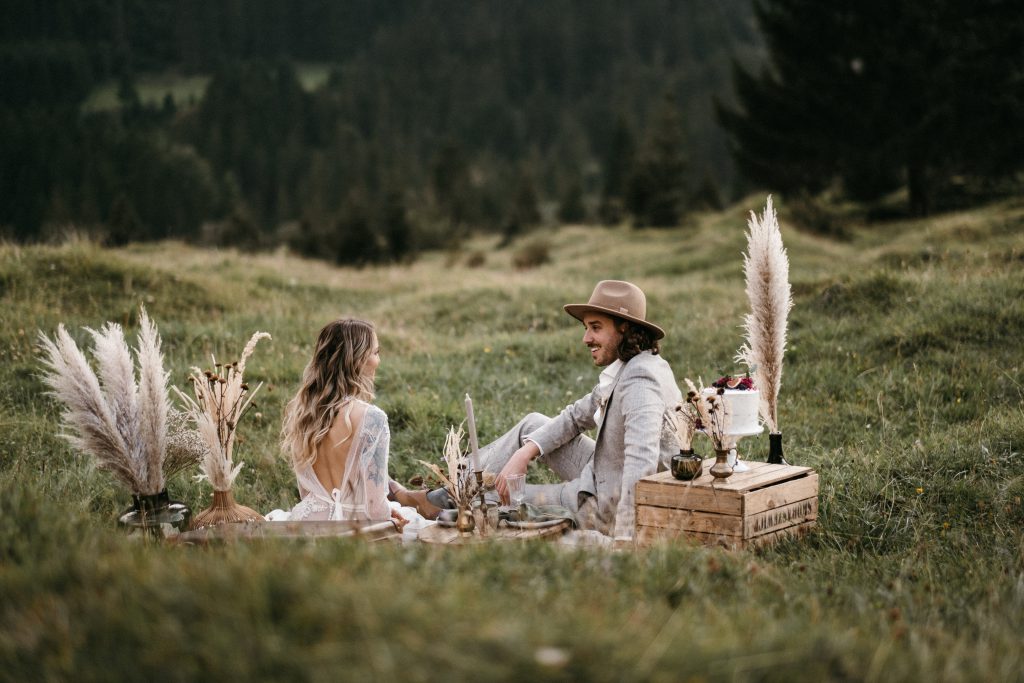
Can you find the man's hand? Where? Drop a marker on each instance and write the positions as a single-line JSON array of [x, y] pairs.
[[517, 464]]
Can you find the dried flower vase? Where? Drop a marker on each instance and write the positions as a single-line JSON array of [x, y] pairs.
[[686, 465], [225, 510], [465, 522], [775, 456], [155, 515], [721, 469]]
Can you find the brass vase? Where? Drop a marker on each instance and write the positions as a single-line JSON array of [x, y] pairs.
[[686, 465], [155, 515], [224, 510], [465, 522], [721, 469]]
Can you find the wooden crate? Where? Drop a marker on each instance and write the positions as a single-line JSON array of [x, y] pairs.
[[752, 508]]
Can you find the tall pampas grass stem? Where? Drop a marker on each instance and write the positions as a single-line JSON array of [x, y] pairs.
[[766, 267], [122, 423]]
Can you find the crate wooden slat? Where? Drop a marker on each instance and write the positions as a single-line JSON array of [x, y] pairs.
[[649, 535], [762, 505]]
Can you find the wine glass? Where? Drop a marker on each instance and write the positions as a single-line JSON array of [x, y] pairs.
[[516, 488]]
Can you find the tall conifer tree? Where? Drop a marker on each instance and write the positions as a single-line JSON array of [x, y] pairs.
[[657, 187], [878, 94]]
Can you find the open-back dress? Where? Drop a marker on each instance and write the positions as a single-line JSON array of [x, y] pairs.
[[362, 492]]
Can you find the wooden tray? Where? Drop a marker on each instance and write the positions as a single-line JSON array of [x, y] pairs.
[[436, 533], [370, 531]]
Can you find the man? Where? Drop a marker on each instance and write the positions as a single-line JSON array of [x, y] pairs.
[[627, 407]]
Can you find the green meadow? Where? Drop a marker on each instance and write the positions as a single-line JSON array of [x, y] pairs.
[[902, 387]]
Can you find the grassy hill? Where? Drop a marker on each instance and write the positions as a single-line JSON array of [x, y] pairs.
[[902, 387]]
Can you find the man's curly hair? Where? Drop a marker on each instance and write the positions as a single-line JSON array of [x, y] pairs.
[[635, 338]]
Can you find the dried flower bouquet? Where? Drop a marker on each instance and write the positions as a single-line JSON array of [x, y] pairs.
[[222, 398], [713, 415], [683, 424], [126, 425], [459, 480]]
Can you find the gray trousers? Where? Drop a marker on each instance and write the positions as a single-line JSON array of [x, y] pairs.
[[571, 462]]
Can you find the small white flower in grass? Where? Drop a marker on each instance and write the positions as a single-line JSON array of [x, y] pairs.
[[554, 657]]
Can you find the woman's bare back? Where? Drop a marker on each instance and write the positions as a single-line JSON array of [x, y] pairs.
[[332, 454]]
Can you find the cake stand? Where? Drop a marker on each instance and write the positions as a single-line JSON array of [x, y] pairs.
[[738, 465]]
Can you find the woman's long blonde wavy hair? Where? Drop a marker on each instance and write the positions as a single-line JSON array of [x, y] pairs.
[[334, 376]]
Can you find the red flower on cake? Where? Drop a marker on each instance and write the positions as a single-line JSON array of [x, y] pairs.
[[730, 382]]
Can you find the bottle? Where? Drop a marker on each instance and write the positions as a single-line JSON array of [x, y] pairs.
[[775, 456]]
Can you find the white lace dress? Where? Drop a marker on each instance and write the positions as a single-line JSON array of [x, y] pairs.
[[362, 492]]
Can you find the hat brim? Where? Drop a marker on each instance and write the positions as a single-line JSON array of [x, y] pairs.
[[578, 310]]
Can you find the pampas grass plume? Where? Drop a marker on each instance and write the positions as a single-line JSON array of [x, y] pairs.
[[766, 267], [118, 421]]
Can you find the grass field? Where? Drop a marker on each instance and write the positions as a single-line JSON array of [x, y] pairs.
[[902, 387]]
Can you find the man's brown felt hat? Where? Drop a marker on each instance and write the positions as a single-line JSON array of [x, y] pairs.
[[621, 299]]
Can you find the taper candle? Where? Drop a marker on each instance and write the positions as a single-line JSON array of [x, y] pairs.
[[474, 446]]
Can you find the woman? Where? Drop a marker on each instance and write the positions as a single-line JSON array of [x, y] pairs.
[[336, 438]]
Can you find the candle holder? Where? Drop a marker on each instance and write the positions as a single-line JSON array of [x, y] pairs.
[[482, 502]]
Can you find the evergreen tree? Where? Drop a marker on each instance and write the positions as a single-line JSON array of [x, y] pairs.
[[876, 94], [657, 186], [571, 208], [523, 214], [525, 209], [394, 225], [124, 223], [618, 168], [355, 239], [450, 183], [706, 195]]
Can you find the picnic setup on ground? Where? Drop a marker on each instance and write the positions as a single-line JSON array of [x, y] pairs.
[[628, 473]]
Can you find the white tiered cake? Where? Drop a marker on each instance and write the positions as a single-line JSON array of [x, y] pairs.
[[743, 404]]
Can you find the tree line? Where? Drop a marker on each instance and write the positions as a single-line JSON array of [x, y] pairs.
[[440, 117]]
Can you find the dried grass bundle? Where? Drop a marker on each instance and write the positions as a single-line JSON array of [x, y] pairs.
[[120, 423], [185, 447], [682, 422], [766, 267], [459, 480], [153, 403], [713, 415], [221, 400]]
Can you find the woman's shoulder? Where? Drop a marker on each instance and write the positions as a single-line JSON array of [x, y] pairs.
[[371, 414], [375, 413]]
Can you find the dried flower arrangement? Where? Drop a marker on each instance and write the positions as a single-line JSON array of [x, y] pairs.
[[459, 481], [222, 398], [713, 415], [683, 423], [766, 268], [123, 423], [185, 446]]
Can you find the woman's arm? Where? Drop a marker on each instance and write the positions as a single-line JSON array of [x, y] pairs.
[[373, 460]]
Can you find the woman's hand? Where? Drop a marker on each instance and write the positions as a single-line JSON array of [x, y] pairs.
[[398, 519], [517, 464]]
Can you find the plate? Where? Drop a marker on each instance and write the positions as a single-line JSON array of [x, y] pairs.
[[448, 518], [536, 525]]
